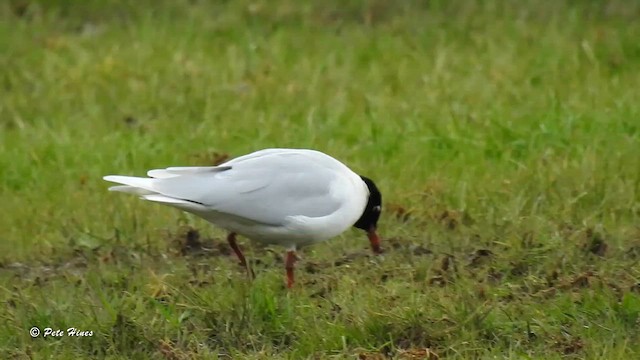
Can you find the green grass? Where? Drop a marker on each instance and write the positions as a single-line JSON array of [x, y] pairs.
[[504, 135]]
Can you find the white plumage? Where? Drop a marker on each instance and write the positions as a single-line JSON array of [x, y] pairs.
[[289, 197]]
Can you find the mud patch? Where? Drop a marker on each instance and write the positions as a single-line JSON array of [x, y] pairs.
[[20, 8], [351, 257], [594, 243], [397, 243], [311, 267], [39, 273], [452, 219], [494, 276], [519, 268], [633, 251], [189, 242], [437, 280], [130, 121], [418, 354], [480, 257], [134, 124], [420, 250], [169, 351], [370, 355], [569, 345], [448, 263], [587, 279], [446, 272], [399, 212]]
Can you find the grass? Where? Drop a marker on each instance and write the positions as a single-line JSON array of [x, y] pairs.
[[505, 137]]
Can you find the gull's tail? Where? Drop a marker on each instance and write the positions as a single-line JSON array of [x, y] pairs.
[[144, 188]]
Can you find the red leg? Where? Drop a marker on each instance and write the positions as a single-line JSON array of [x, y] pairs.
[[231, 238], [291, 260]]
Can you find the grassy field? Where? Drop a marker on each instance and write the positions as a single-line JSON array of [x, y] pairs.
[[504, 135]]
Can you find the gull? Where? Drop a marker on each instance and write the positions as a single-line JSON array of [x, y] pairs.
[[287, 197]]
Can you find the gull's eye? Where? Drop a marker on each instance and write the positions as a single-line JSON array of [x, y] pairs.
[[377, 208]]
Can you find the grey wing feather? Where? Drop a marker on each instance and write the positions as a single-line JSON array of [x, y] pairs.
[[265, 189], [184, 170]]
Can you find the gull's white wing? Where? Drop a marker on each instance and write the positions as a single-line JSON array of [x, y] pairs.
[[266, 187]]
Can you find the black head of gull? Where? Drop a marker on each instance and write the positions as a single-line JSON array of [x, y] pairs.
[[369, 219]]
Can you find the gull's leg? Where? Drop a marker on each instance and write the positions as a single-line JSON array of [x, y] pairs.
[[231, 238], [290, 261]]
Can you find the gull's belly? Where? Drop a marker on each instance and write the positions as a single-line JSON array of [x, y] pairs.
[[295, 231]]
